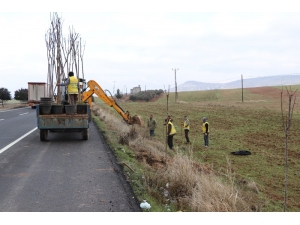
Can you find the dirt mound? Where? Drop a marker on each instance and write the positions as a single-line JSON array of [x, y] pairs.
[[154, 161], [138, 120]]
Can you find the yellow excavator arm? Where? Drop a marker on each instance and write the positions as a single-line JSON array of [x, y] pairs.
[[95, 88]]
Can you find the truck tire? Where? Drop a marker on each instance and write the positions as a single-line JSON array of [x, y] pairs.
[[85, 134], [43, 134]]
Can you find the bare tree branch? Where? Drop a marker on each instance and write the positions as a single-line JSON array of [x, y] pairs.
[[62, 54], [287, 122]]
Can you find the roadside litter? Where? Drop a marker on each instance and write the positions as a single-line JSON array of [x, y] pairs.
[[145, 205], [241, 152]]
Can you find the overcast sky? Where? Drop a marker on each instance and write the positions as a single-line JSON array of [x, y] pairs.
[[130, 47]]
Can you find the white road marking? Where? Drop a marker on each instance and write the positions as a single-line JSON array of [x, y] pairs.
[[23, 114], [16, 141], [1, 119]]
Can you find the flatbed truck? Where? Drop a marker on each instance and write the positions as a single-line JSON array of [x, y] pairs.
[[63, 122]]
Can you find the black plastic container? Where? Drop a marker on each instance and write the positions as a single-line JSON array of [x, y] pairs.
[[57, 109], [70, 109], [82, 109]]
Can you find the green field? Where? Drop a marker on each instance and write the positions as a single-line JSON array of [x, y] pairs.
[[254, 124]]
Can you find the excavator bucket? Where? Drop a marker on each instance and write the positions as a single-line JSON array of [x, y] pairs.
[[137, 120]]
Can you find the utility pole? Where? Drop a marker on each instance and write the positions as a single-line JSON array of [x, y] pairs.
[[176, 94], [166, 120], [242, 88]]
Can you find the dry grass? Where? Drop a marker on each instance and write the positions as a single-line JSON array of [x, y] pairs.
[[12, 105], [191, 188], [176, 179]]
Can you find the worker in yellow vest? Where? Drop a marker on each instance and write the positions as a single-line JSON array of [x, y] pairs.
[[186, 128], [205, 130], [170, 132], [72, 86]]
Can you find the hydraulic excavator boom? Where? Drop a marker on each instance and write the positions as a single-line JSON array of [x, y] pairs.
[[95, 88]]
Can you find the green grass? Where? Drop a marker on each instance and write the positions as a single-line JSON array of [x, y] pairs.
[[13, 101], [255, 125]]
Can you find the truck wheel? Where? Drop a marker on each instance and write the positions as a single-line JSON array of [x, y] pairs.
[[85, 134], [43, 135]]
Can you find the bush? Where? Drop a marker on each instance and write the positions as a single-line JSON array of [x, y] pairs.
[[119, 95], [4, 94], [145, 95], [21, 94]]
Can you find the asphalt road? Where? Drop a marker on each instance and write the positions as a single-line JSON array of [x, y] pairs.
[[62, 174]]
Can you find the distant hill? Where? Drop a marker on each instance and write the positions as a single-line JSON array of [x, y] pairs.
[[247, 83]]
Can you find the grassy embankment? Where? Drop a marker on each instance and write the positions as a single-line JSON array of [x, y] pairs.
[[257, 180]]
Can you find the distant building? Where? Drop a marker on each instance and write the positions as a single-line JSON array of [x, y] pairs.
[[135, 90]]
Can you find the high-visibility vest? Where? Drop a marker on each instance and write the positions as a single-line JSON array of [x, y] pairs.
[[204, 128], [185, 126], [173, 130], [73, 85]]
